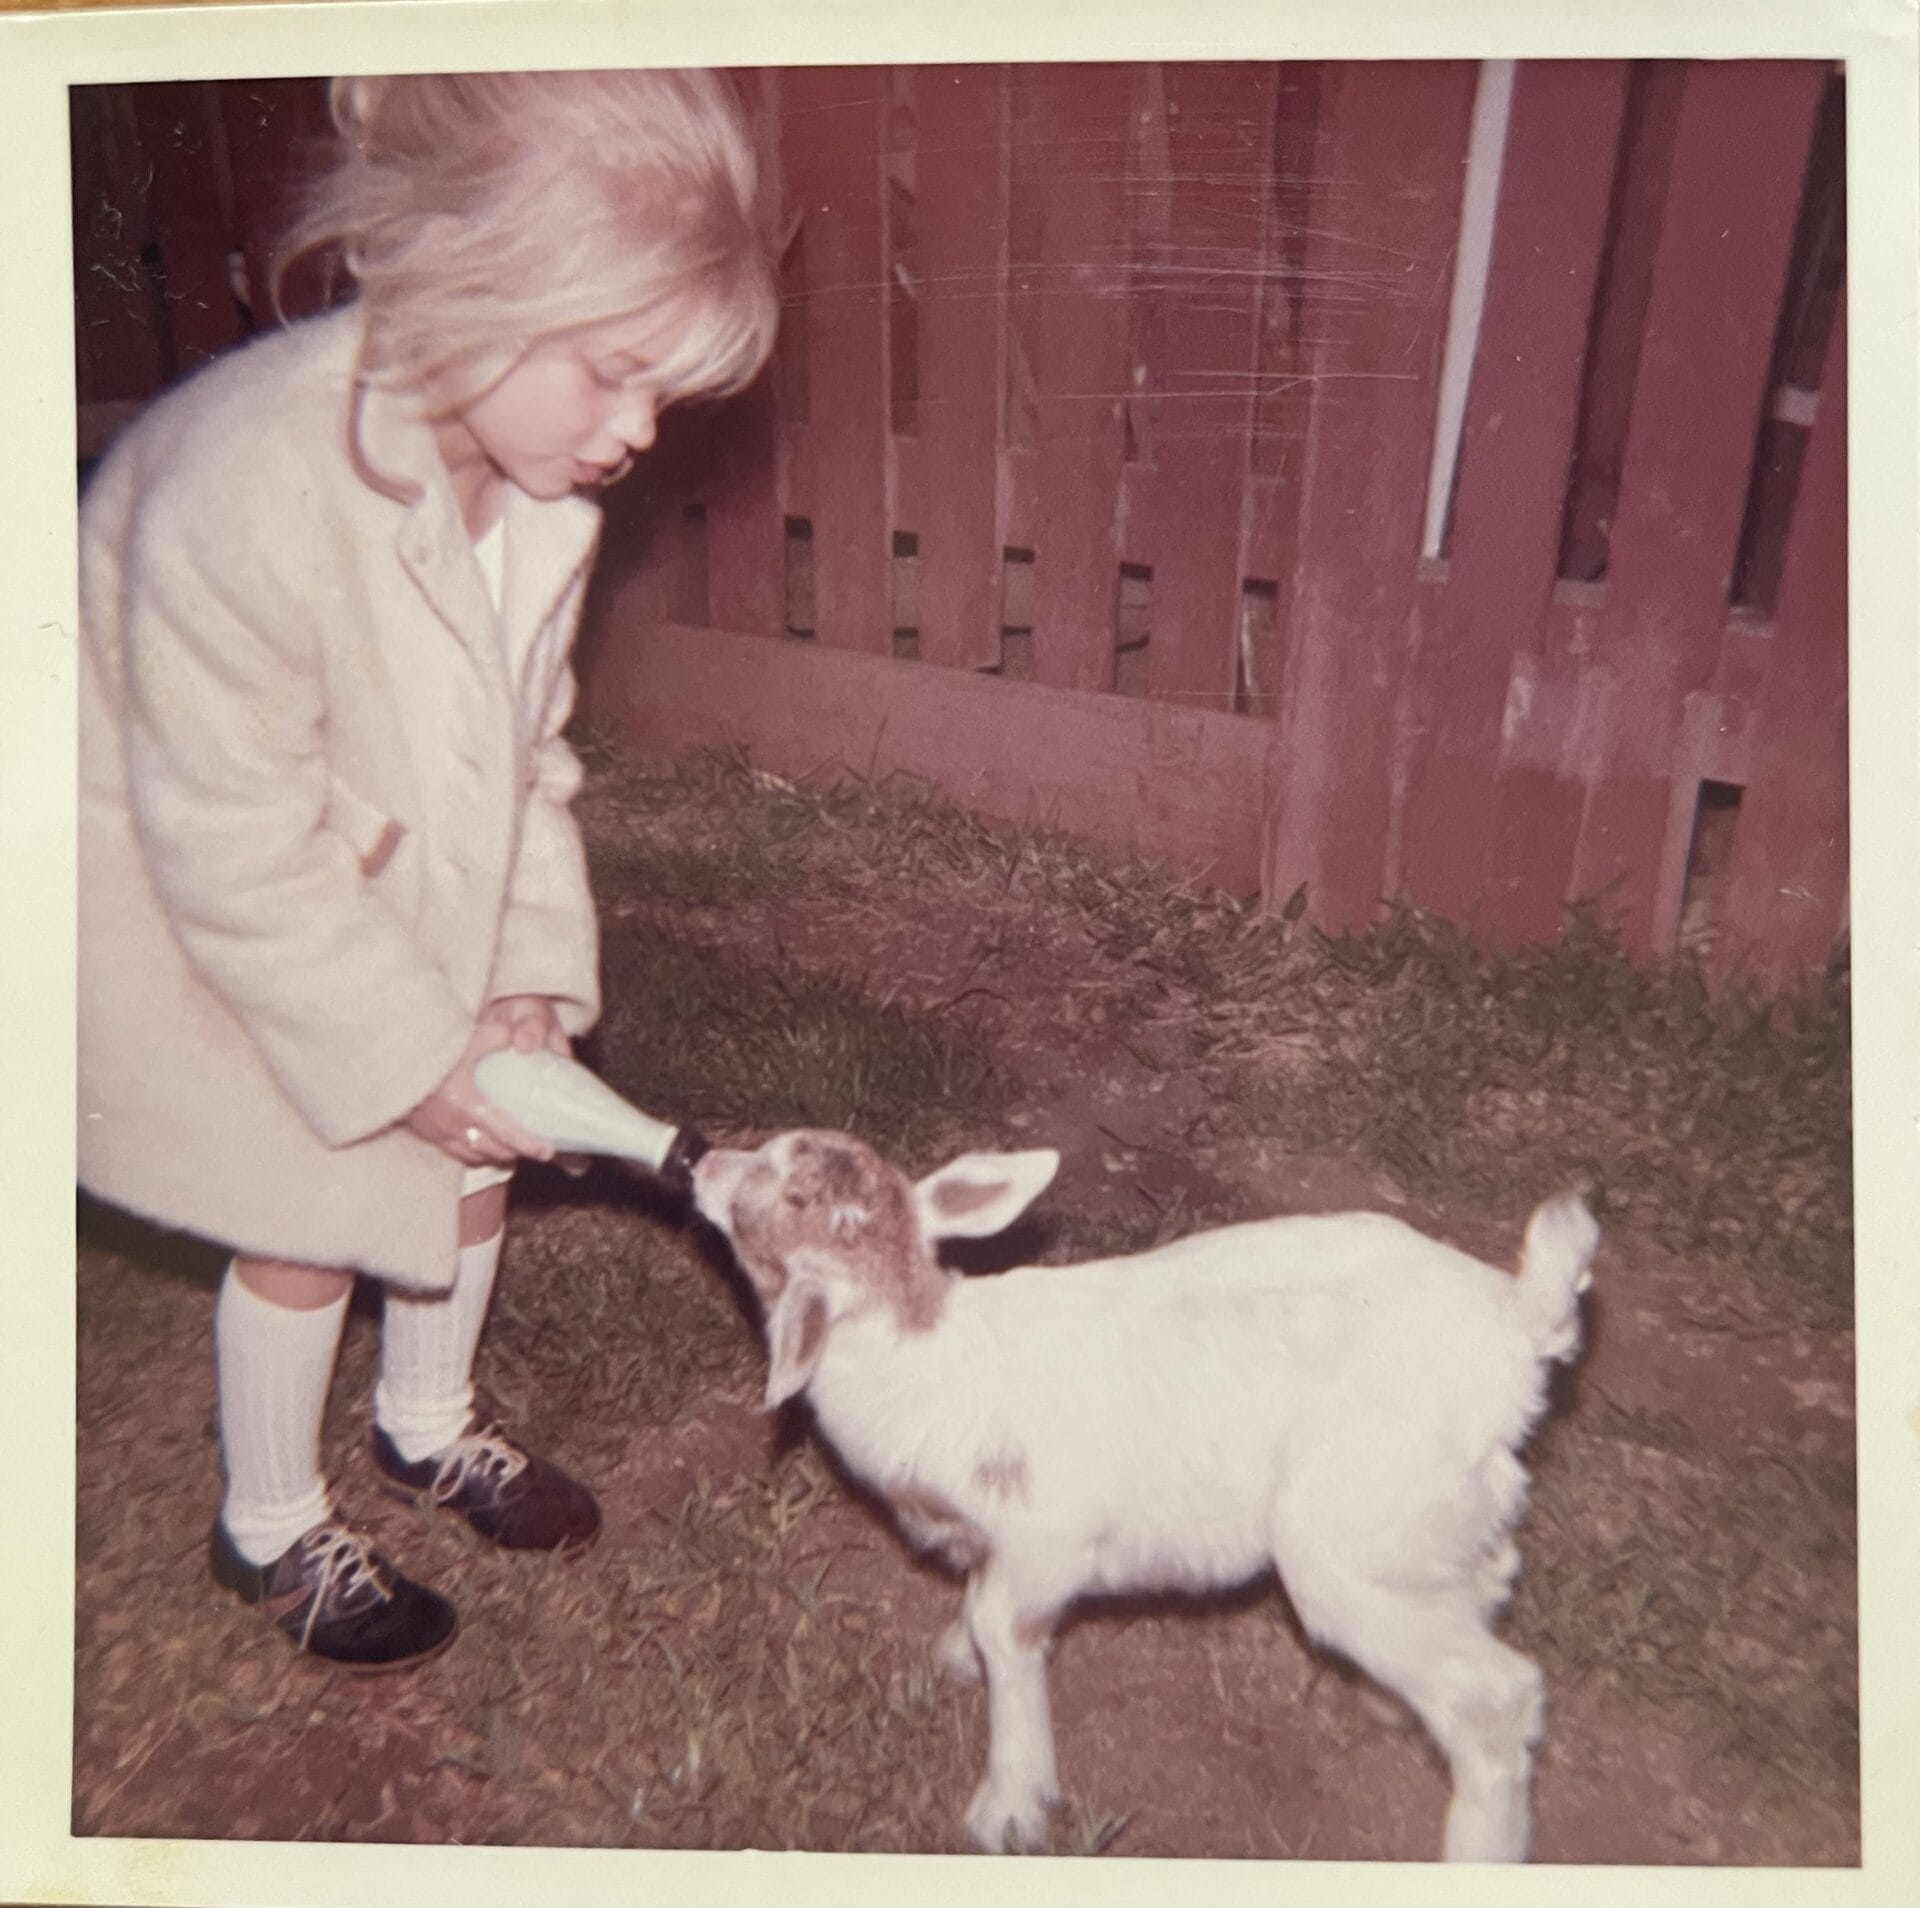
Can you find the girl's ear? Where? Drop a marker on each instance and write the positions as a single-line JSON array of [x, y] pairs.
[[980, 1194], [796, 1335]]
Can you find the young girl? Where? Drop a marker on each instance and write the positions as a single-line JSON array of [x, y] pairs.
[[328, 590]]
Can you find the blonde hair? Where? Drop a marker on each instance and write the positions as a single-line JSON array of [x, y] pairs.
[[479, 213]]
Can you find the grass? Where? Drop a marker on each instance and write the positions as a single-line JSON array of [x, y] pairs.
[[743, 1664]]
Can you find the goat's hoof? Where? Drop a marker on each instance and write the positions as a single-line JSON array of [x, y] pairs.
[[998, 1821], [954, 1655]]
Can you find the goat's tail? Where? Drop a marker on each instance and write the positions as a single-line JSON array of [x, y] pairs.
[[1556, 1266]]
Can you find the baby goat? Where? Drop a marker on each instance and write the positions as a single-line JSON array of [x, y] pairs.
[[1341, 1397]]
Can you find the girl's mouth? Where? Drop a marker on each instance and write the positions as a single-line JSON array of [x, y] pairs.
[[599, 476]]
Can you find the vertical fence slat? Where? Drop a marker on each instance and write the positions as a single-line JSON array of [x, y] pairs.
[[961, 113], [1789, 877], [1738, 160], [1521, 410], [1388, 162], [1220, 151], [834, 122], [746, 546], [1281, 393], [1080, 374]]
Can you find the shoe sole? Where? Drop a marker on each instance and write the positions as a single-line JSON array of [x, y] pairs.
[[399, 1665], [417, 1499]]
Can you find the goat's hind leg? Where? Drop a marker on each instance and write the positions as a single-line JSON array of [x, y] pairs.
[[1009, 1627], [1483, 1703]]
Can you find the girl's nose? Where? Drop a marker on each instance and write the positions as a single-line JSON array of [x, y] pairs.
[[633, 421]]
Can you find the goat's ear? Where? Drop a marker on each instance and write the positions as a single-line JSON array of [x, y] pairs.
[[796, 1334], [980, 1194]]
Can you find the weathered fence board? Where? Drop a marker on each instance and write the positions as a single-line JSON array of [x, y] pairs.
[[1144, 777], [960, 239], [1391, 137], [1509, 490], [1220, 155], [834, 126], [1739, 157], [1076, 123]]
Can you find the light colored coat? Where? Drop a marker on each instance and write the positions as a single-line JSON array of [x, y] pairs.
[[323, 807]]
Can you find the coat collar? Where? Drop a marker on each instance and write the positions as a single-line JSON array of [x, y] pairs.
[[393, 451]]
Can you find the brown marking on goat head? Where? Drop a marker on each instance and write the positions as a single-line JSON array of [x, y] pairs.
[[828, 1197]]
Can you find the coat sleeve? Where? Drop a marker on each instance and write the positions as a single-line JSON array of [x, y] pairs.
[[224, 724], [549, 941]]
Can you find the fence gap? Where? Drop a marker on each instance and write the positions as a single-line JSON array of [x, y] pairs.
[[1016, 615], [1132, 628], [1256, 688], [906, 596], [903, 267], [1703, 897], [1816, 273], [1620, 301], [1479, 202], [799, 555], [689, 584]]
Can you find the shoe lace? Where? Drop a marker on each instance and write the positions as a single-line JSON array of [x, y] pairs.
[[339, 1562], [489, 1457]]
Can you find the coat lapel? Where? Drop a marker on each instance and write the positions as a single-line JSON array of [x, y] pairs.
[[396, 452]]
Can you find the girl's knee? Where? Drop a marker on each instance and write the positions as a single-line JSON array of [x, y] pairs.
[[288, 1283], [483, 1214]]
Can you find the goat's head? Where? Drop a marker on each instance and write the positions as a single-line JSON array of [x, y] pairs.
[[824, 1227]]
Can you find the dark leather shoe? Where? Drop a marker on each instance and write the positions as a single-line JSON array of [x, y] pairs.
[[337, 1598], [518, 1500]]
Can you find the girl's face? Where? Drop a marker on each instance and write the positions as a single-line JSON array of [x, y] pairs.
[[572, 414]]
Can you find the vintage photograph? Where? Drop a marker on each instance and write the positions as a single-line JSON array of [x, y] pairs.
[[1223, 641], [963, 960]]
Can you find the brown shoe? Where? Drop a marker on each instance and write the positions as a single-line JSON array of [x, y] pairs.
[[337, 1598], [506, 1493]]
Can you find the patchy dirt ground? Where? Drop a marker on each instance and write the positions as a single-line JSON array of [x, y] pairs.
[[742, 1660]]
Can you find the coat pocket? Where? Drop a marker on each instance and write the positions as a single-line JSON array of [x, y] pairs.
[[372, 835]]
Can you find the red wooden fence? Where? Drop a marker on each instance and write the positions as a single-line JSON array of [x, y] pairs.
[[1096, 477]]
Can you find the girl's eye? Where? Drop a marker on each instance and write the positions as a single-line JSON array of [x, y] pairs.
[[618, 375]]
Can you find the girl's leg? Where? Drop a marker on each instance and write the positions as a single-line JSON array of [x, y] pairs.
[[433, 1435], [424, 1397], [277, 1541], [276, 1331]]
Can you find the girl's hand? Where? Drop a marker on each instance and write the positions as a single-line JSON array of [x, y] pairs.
[[459, 1119], [530, 1022]]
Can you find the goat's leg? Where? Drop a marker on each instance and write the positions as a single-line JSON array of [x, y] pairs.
[[954, 1655], [1483, 1703], [1009, 1629]]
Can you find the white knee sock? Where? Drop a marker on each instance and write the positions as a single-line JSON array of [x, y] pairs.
[[273, 1367], [425, 1393]]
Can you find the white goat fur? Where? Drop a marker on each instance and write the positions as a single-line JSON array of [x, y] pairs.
[[1340, 1397]]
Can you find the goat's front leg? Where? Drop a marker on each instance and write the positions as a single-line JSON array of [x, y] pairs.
[[1021, 1785]]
